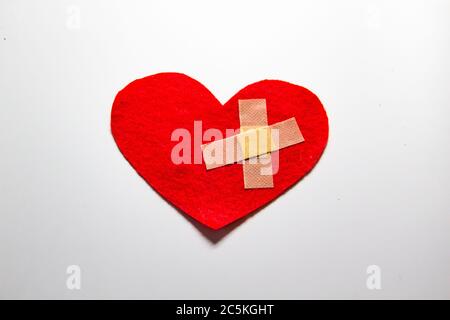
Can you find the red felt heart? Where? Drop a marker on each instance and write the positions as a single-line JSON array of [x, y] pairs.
[[148, 110]]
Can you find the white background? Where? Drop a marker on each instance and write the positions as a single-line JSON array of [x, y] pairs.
[[379, 195]]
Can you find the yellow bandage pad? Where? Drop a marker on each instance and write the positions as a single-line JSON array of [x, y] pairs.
[[255, 141]]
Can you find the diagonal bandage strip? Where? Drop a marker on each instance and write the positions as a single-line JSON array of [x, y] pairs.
[[220, 153], [258, 173], [255, 141]]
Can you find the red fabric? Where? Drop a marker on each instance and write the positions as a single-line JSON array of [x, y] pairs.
[[146, 112]]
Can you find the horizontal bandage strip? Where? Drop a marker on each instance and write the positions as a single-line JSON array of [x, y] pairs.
[[227, 151]]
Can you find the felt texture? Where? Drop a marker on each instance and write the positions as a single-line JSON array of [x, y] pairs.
[[146, 112]]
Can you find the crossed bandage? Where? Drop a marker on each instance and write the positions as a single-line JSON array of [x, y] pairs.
[[253, 145]]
